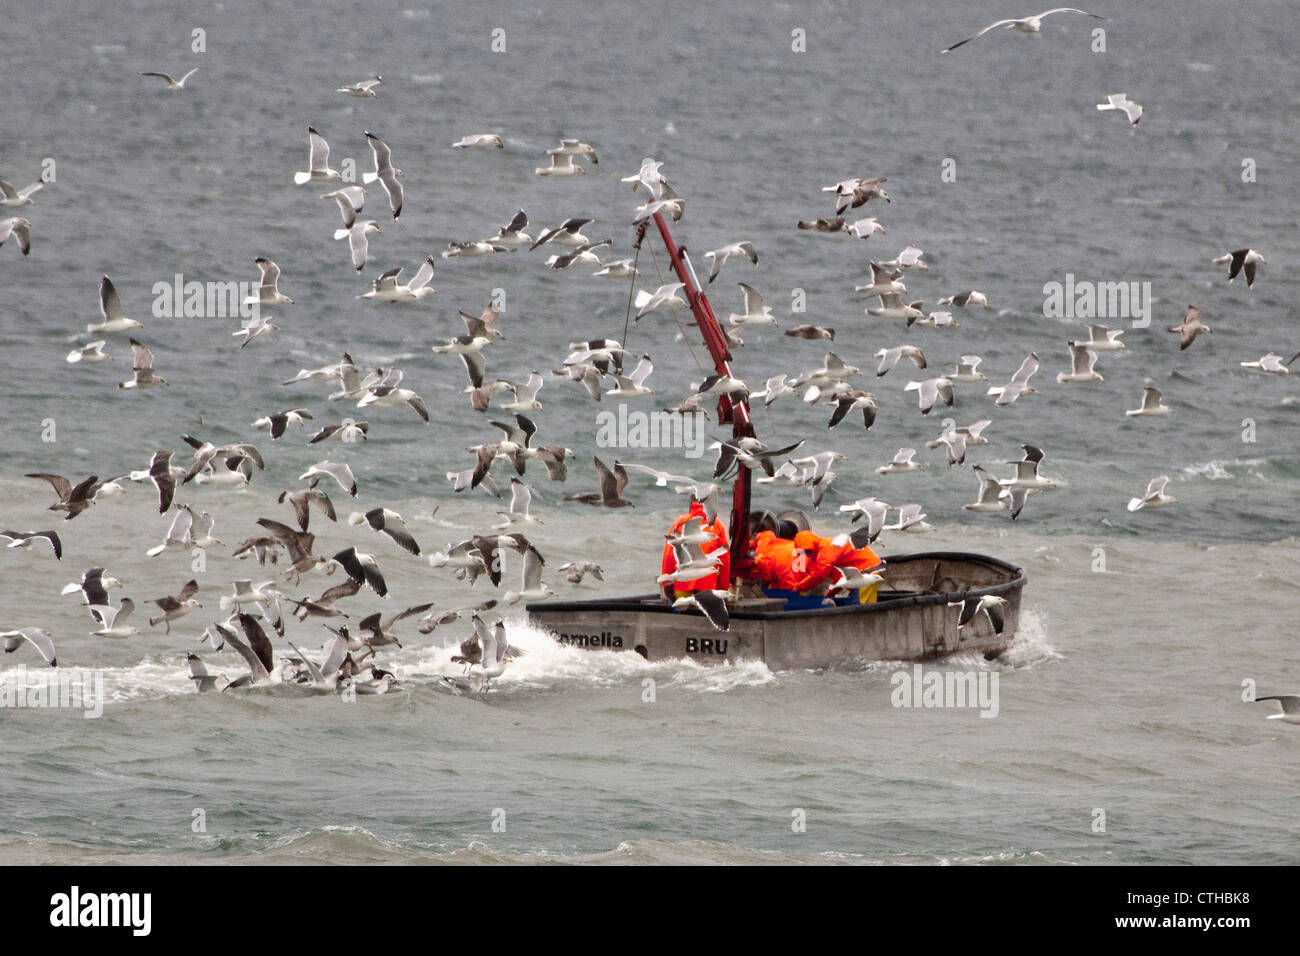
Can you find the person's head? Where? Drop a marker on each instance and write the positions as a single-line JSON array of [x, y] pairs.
[[786, 529], [806, 540]]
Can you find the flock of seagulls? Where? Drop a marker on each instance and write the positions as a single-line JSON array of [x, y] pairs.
[[257, 610]]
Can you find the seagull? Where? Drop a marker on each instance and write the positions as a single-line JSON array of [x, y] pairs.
[[1246, 259], [1191, 327], [617, 269], [298, 544], [512, 234], [823, 379], [385, 172], [962, 299], [823, 225], [612, 484], [574, 147], [852, 579], [389, 523], [756, 312], [348, 430], [994, 608], [1102, 339], [363, 89], [883, 282], [582, 255], [938, 320], [110, 619], [909, 258], [901, 463], [301, 501], [911, 520], [278, 422], [852, 400], [712, 604], [562, 164], [351, 199], [90, 352], [874, 510], [966, 370], [1023, 24], [723, 385], [1019, 384], [337, 470], [954, 443], [254, 329], [811, 332], [663, 297], [178, 606], [865, 228], [1271, 363], [362, 568], [1154, 497], [1027, 476], [22, 228], [821, 475], [180, 535], [532, 587], [1290, 704], [718, 257], [323, 374], [203, 680], [1120, 103], [992, 496], [470, 250], [387, 289], [776, 387], [25, 540], [1151, 404], [38, 637], [520, 499], [889, 357], [323, 606], [1082, 366], [479, 141], [577, 570], [110, 306], [73, 499], [318, 167], [387, 396], [94, 585], [633, 384], [929, 391], [206, 452], [19, 197], [852, 193], [567, 233], [892, 307], [356, 235], [268, 290], [173, 85]]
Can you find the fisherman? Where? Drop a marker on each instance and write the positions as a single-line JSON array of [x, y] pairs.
[[826, 554], [719, 580], [777, 562]]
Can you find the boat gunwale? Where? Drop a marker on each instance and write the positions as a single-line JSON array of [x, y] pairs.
[[638, 603]]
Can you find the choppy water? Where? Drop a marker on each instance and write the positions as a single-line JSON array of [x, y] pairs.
[[1123, 691]]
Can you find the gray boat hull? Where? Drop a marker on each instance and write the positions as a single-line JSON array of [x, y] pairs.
[[912, 620]]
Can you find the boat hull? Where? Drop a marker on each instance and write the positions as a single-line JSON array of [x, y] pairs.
[[913, 620]]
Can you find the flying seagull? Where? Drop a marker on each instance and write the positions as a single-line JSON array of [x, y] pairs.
[[173, 85], [1033, 24]]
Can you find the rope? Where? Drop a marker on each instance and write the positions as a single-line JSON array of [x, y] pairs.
[[685, 338]]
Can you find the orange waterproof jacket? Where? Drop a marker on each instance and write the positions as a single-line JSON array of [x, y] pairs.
[[719, 581], [824, 555], [778, 562]]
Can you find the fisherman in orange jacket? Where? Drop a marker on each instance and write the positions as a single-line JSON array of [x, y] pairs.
[[778, 562], [826, 554], [718, 581]]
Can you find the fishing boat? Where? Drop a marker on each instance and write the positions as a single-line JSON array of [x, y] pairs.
[[917, 613]]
